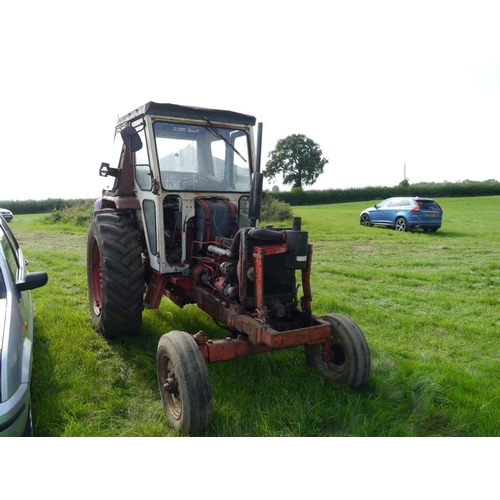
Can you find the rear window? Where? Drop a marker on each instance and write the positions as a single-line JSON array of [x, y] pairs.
[[428, 205]]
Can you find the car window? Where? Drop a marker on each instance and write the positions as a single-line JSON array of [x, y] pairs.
[[383, 204], [3, 288], [395, 203], [428, 205], [10, 248]]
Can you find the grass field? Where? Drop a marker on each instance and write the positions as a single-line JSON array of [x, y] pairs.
[[429, 305]]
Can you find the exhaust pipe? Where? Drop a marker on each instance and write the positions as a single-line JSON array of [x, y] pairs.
[[257, 182]]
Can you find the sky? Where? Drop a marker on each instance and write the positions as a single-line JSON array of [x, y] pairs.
[[385, 88]]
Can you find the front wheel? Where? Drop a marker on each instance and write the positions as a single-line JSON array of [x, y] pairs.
[[364, 220], [348, 361], [183, 382], [401, 224]]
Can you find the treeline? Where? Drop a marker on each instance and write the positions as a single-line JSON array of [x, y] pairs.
[[41, 206], [297, 197]]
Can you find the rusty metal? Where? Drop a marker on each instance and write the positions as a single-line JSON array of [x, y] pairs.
[[155, 291], [262, 340]]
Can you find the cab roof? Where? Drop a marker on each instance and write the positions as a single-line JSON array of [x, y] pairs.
[[189, 112]]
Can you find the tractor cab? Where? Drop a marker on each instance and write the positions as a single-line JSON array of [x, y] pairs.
[[189, 171]]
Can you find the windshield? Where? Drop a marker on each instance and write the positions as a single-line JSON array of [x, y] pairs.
[[202, 158]]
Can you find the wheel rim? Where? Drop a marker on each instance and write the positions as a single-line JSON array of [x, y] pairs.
[[95, 278], [365, 220], [337, 355], [335, 359], [170, 388], [401, 225]]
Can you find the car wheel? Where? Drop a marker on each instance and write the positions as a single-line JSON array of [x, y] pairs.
[[364, 220], [401, 224]]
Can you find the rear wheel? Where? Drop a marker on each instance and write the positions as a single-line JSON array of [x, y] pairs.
[[183, 382], [348, 361], [115, 273], [401, 224]]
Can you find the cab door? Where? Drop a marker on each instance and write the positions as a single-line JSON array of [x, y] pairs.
[[149, 194]]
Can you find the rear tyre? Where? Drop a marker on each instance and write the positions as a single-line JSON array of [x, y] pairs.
[[183, 382], [364, 220], [115, 273], [401, 224], [348, 362]]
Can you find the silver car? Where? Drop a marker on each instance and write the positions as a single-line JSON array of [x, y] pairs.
[[16, 335], [6, 214]]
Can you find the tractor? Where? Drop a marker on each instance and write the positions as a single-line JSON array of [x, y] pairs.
[[181, 221]]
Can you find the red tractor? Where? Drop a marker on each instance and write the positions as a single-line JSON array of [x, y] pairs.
[[181, 221]]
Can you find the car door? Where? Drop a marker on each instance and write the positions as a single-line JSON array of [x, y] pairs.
[[379, 214], [396, 206], [18, 336]]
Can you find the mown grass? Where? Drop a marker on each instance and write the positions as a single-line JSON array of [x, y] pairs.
[[427, 303]]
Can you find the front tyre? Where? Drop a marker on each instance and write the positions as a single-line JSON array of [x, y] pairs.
[[364, 220], [348, 361], [115, 273], [183, 382]]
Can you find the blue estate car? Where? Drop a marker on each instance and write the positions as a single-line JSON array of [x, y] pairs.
[[16, 335], [403, 214]]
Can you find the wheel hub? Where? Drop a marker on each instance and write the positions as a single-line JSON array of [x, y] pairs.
[[170, 386]]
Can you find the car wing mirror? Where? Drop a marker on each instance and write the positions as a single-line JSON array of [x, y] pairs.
[[32, 281]]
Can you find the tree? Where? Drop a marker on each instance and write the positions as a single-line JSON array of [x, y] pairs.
[[298, 158]]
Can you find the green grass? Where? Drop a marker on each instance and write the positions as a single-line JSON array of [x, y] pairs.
[[429, 305]]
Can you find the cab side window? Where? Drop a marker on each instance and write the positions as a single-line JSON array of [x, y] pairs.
[[143, 174]]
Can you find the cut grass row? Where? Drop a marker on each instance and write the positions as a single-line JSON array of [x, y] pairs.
[[427, 303]]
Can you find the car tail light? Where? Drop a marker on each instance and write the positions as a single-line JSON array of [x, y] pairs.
[[416, 209]]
